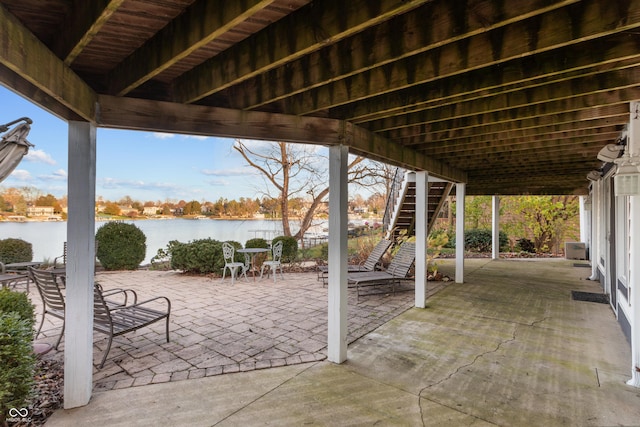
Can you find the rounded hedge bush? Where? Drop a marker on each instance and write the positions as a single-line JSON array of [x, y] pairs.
[[15, 250], [258, 242], [481, 240], [121, 246], [289, 247], [16, 351], [18, 302], [198, 256], [526, 245]]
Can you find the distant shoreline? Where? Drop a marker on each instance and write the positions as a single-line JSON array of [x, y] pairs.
[[103, 219]]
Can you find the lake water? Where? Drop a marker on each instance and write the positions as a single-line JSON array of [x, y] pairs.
[[47, 238]]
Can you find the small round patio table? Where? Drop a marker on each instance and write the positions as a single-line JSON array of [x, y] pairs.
[[252, 252]]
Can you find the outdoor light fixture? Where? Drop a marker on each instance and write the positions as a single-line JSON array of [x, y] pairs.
[[626, 181], [594, 175], [610, 152]]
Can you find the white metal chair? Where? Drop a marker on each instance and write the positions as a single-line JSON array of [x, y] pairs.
[[275, 262], [235, 268]]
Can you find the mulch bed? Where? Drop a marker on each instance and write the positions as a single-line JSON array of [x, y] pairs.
[[47, 393]]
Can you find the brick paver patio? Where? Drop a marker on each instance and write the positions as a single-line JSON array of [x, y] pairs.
[[218, 328]]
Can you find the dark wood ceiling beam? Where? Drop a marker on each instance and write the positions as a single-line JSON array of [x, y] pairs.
[[60, 87], [81, 27], [405, 35], [509, 173], [557, 139], [622, 82], [525, 73], [370, 145], [160, 116], [617, 114], [199, 25], [541, 171], [147, 115], [553, 131], [300, 33], [582, 150], [557, 29], [35, 94], [553, 184], [512, 116]]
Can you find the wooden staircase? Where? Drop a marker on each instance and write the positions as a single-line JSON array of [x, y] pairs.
[[400, 213]]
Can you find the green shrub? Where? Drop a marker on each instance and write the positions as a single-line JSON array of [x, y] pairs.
[[258, 242], [162, 258], [526, 245], [198, 256], [16, 350], [121, 246], [18, 302], [289, 247], [480, 240], [324, 251], [15, 250]]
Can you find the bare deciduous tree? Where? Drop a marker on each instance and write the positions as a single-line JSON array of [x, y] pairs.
[[297, 170]]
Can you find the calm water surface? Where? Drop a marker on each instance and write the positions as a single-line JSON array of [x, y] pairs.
[[48, 238]]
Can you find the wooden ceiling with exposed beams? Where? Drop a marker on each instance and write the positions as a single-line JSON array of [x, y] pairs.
[[512, 97]]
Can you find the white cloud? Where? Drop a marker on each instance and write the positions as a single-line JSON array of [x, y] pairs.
[[112, 183], [229, 172], [162, 135], [59, 175], [218, 182], [21, 175], [39, 156]]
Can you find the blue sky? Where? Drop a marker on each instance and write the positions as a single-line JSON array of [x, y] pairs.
[[143, 165]]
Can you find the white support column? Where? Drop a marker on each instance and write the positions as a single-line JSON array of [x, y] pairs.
[[495, 226], [460, 196], [633, 145], [337, 300], [583, 220], [78, 338], [422, 194], [596, 223]]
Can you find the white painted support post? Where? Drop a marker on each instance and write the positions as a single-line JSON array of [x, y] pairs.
[[633, 145], [78, 339], [495, 226], [460, 196], [583, 220], [596, 224], [422, 194], [337, 288]]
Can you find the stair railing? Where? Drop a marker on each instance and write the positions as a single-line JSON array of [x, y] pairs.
[[392, 198]]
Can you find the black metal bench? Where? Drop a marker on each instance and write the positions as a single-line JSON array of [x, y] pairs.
[[120, 320]]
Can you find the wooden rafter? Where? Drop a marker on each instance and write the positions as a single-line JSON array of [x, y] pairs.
[[539, 101], [556, 29], [430, 26], [48, 75], [86, 21], [421, 133], [301, 33], [558, 67], [201, 120], [559, 139], [201, 23]]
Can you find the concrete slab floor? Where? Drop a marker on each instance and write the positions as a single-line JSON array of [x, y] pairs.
[[509, 347]]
